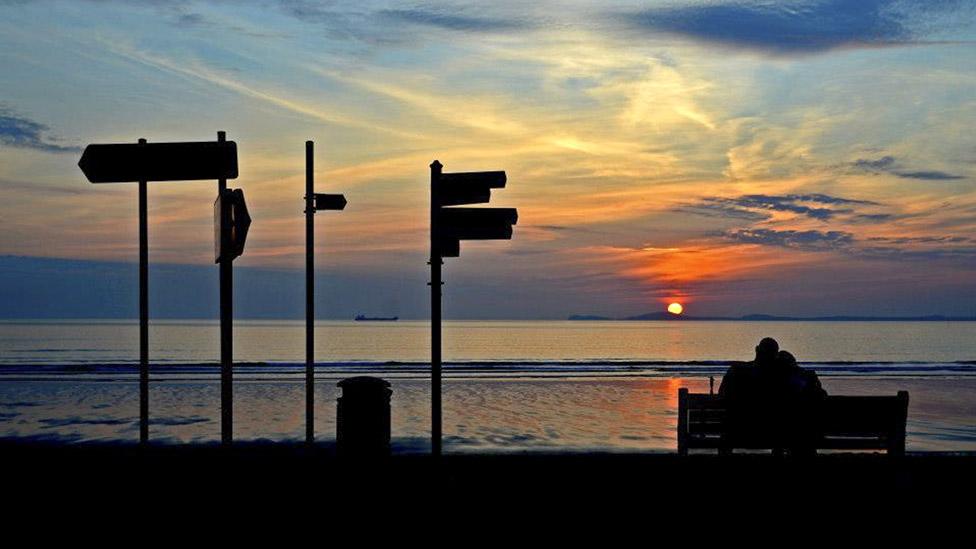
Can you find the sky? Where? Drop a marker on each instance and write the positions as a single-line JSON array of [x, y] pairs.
[[809, 157]]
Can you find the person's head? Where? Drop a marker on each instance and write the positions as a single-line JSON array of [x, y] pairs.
[[766, 351], [785, 359]]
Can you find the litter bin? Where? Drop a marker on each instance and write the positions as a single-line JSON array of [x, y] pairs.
[[363, 417]]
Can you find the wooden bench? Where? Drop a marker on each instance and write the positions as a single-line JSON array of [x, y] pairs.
[[846, 423]]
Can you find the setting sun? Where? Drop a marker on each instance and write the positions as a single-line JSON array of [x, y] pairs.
[[675, 308]]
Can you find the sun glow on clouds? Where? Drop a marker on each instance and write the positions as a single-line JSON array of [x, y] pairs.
[[679, 271], [628, 157]]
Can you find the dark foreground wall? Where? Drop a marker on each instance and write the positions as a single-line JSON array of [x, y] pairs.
[[265, 475]]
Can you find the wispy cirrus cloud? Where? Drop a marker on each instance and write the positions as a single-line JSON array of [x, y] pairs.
[[276, 97], [22, 132], [454, 20], [395, 24]]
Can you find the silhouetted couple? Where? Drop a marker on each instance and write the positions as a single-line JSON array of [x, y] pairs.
[[772, 402]]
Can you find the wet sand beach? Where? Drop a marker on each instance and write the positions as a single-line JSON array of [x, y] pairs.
[[512, 414]]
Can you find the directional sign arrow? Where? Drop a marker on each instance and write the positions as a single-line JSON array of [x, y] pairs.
[[456, 195], [329, 201], [455, 189], [231, 222], [492, 180], [124, 162], [240, 223], [478, 223]]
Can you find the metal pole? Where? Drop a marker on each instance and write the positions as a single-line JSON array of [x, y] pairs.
[[143, 312], [226, 322], [435, 312], [309, 294]]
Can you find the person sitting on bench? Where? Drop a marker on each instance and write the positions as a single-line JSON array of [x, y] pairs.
[[799, 382], [772, 398], [741, 381]]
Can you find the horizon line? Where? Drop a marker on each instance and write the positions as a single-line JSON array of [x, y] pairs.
[[584, 318]]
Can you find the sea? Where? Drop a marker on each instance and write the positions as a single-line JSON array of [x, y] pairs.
[[509, 386]]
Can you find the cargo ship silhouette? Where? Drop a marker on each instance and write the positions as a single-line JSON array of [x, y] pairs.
[[364, 318]]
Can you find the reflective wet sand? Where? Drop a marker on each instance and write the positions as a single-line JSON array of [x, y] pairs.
[[508, 414]]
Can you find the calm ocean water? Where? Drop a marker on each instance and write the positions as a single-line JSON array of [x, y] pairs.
[[510, 385]]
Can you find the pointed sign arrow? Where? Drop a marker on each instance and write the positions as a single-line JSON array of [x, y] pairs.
[[231, 222], [125, 162]]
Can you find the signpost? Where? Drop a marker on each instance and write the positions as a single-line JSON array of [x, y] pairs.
[[313, 203], [143, 162], [448, 227], [129, 162], [231, 222]]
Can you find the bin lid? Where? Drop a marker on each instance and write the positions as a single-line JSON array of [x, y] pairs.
[[363, 382]]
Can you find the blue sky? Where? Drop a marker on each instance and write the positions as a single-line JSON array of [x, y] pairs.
[[803, 157]]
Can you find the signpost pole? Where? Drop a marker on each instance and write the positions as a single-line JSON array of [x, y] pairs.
[[143, 162], [435, 311], [309, 294], [226, 322], [143, 311]]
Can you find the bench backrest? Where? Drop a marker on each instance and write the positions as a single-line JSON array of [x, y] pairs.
[[846, 423]]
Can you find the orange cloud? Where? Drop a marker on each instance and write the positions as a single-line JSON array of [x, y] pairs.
[[679, 272]]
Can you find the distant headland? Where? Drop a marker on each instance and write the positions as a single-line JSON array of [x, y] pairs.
[[664, 315]]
